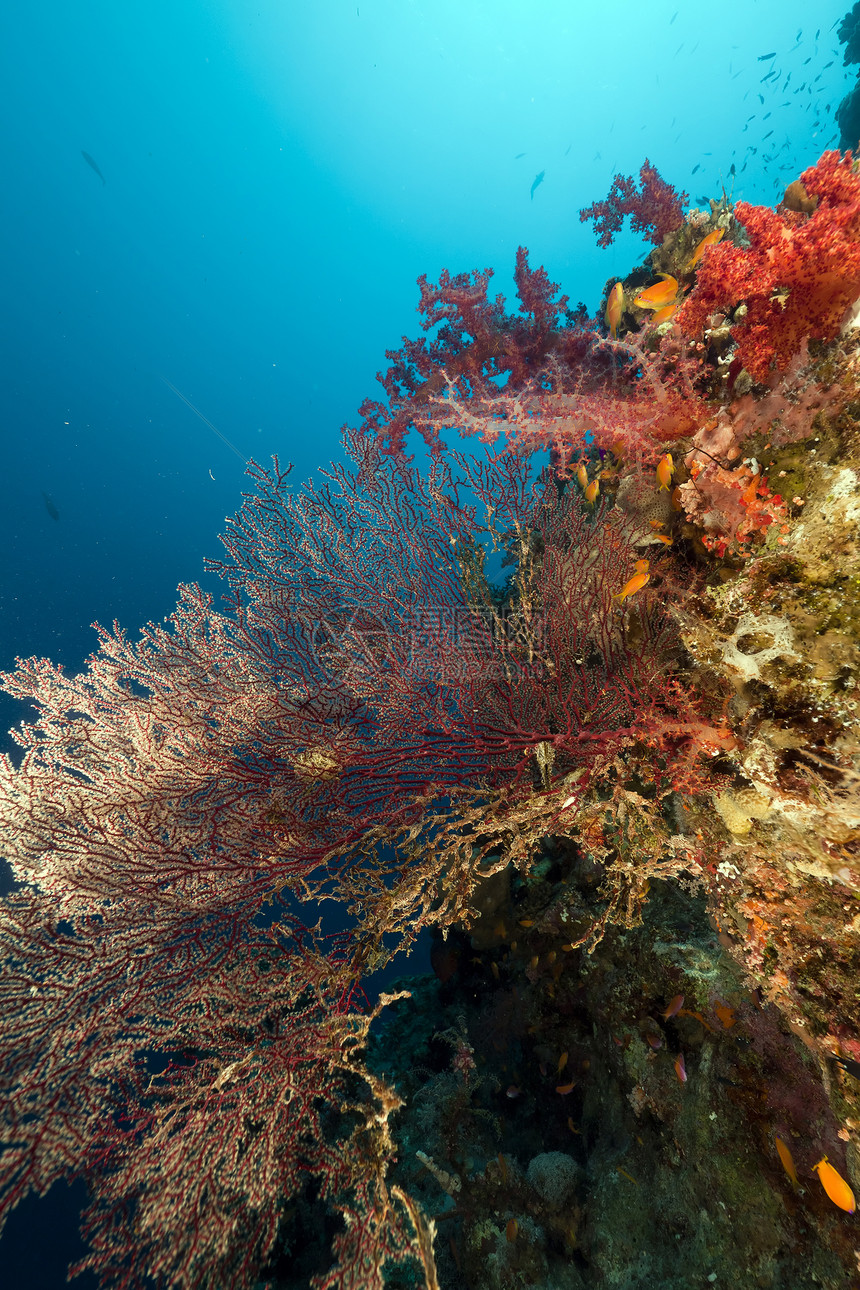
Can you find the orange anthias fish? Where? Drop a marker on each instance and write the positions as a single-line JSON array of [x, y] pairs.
[[664, 314], [665, 468], [715, 236], [680, 1069], [787, 1161], [614, 308], [835, 1186], [634, 584], [674, 1007], [659, 295], [592, 490]]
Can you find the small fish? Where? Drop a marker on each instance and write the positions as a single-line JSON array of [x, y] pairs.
[[562, 1062], [664, 314], [512, 1091], [592, 491], [572, 1126], [582, 476], [50, 507], [680, 1069], [631, 586], [835, 1186], [716, 235], [538, 179], [664, 538], [658, 295], [665, 470], [641, 566], [564, 1089], [519, 156], [90, 162], [763, 58], [614, 309], [511, 1230], [787, 1161], [674, 1007], [503, 1167], [626, 1174]]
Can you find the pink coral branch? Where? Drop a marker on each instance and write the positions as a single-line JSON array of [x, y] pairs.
[[654, 209]]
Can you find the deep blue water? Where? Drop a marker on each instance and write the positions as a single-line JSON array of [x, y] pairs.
[[275, 176]]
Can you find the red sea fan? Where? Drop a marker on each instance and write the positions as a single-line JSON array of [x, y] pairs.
[[655, 210], [797, 278]]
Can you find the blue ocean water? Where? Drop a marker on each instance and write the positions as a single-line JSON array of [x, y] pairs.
[[235, 198]]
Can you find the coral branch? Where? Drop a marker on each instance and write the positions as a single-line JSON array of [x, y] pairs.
[[654, 209]]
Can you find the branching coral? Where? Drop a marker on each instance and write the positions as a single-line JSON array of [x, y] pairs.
[[655, 209], [491, 375]]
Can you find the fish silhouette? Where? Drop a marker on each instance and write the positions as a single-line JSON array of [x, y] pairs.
[[50, 507], [90, 162], [538, 179]]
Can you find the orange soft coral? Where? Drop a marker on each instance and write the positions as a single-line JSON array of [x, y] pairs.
[[798, 277], [733, 508]]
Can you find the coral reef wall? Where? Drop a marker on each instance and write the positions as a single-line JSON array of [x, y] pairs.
[[593, 724]]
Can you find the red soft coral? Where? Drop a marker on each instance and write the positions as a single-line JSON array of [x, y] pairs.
[[798, 277], [655, 211]]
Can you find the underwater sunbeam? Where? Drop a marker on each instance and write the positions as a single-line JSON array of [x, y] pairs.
[[205, 420]]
